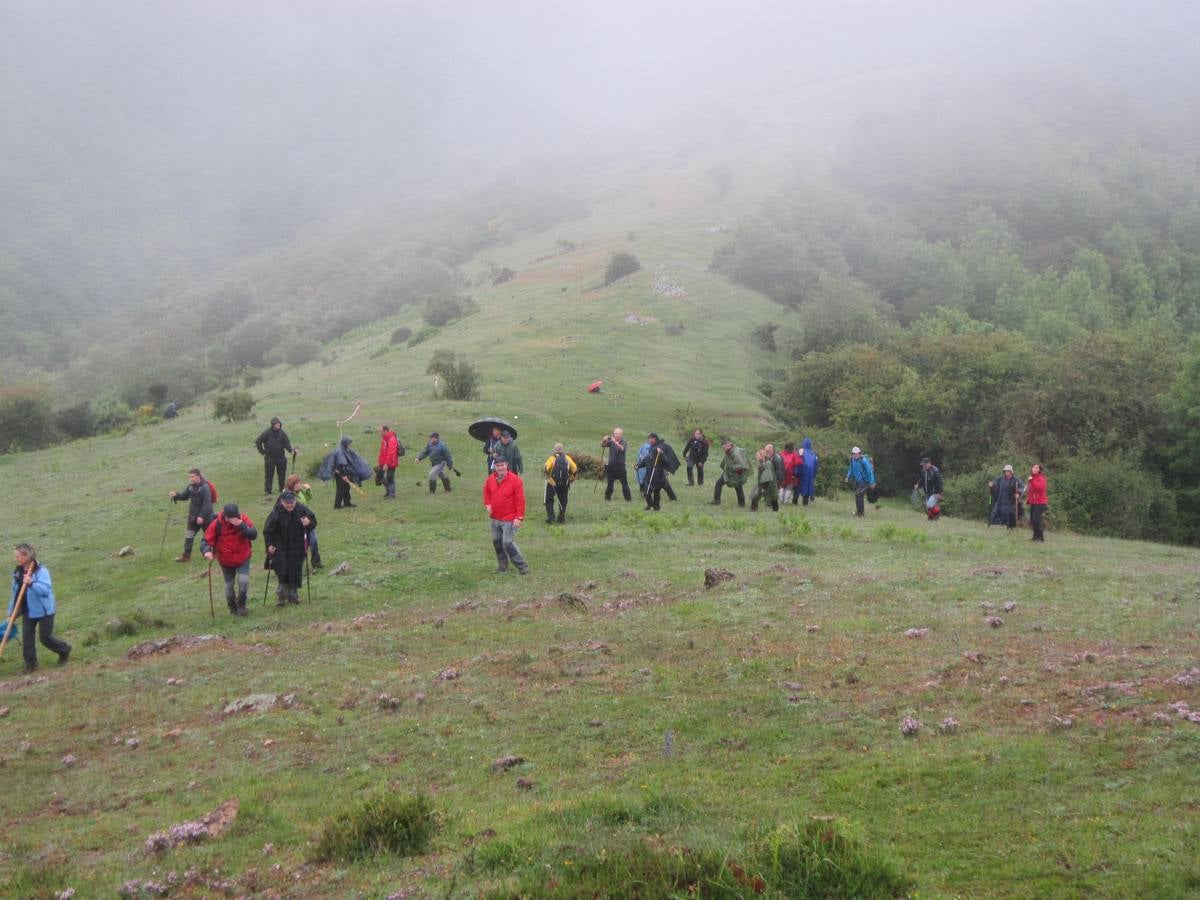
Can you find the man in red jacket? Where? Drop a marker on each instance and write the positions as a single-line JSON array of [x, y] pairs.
[[229, 536], [504, 500], [389, 458]]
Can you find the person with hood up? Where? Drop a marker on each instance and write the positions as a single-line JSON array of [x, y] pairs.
[[735, 469], [614, 467], [440, 462], [695, 452], [770, 474], [303, 492], [792, 461], [286, 534], [659, 462], [504, 500], [346, 471], [229, 536], [389, 459], [1006, 494], [200, 512], [508, 451], [274, 446], [806, 477], [37, 608], [560, 471], [861, 477], [929, 482], [1035, 496]]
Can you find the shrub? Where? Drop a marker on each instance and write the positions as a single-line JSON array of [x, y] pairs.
[[446, 309], [401, 334], [619, 265], [381, 823], [764, 336], [146, 412], [589, 466], [460, 380], [426, 332], [300, 351], [75, 421], [232, 406], [112, 414], [25, 417]]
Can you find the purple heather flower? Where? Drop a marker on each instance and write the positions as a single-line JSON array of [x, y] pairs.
[[909, 726], [1010, 606], [948, 725], [994, 621], [916, 632]]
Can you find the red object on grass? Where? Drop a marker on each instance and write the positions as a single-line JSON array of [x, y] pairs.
[[594, 387]]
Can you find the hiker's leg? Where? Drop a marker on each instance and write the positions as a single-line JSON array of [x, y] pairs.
[[508, 533], [229, 573], [548, 501]]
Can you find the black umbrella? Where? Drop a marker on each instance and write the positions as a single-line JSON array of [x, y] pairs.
[[482, 430]]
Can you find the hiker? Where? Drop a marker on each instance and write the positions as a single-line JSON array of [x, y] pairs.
[[659, 462], [346, 468], [695, 451], [861, 477], [274, 446], [770, 474], [508, 451], [641, 470], [199, 495], [614, 468], [37, 608], [440, 462], [229, 536], [285, 533], [793, 462], [504, 500], [303, 494], [1006, 494], [929, 480], [490, 445], [1035, 496], [172, 410], [390, 452], [735, 467], [806, 478], [560, 472]]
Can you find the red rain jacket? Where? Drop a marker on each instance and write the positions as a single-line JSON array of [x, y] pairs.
[[389, 450], [506, 498], [230, 546]]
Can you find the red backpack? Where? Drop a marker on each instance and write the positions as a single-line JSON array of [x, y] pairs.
[[212, 489]]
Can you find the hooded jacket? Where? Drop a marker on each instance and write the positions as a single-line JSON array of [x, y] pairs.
[[735, 467], [287, 535], [511, 454], [231, 543], [806, 481], [389, 450], [273, 443], [861, 471]]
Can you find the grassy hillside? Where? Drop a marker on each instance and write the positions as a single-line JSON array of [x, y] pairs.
[[671, 736]]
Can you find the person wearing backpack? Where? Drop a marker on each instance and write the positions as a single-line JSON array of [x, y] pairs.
[[200, 495], [770, 474], [929, 481], [274, 446], [806, 477], [793, 462], [860, 476], [390, 452], [659, 462], [560, 471], [228, 537]]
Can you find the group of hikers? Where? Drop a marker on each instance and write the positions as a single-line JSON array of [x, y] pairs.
[[290, 531]]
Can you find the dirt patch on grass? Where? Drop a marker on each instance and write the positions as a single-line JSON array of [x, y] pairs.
[[176, 643]]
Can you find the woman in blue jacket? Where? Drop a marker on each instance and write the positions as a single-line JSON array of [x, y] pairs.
[[37, 607]]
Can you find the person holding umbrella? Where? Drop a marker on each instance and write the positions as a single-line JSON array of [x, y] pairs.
[[508, 451]]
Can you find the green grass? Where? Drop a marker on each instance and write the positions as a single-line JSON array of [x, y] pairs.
[[782, 690]]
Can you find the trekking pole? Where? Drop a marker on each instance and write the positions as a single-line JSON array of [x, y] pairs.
[[166, 525], [8, 626], [267, 586], [650, 477], [212, 611], [600, 471], [308, 579]]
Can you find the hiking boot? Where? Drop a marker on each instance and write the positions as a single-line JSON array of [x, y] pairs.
[[316, 560], [524, 571], [294, 600], [64, 656], [29, 670], [183, 557], [714, 502], [562, 518], [282, 601], [446, 484], [433, 487]]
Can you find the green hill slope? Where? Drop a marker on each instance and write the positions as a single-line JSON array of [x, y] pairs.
[[670, 735]]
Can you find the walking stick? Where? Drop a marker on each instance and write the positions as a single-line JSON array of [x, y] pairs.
[[650, 477], [600, 472], [212, 611], [308, 579], [267, 586], [355, 486], [166, 525], [8, 626]]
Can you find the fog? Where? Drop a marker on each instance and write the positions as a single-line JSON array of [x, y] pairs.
[[142, 137]]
